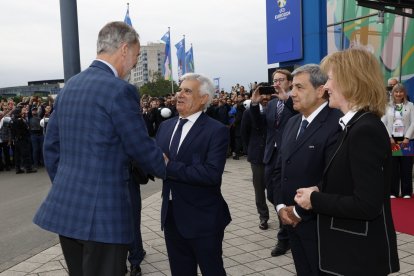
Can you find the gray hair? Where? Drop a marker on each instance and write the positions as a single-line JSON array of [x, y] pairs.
[[206, 85], [113, 34], [316, 76]]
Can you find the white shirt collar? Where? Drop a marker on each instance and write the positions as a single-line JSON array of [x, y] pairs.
[[314, 113], [109, 65], [343, 121], [193, 117]]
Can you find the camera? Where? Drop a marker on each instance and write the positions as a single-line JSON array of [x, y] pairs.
[[267, 90]]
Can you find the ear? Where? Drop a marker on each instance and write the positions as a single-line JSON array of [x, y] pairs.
[[322, 94], [124, 48], [204, 98]]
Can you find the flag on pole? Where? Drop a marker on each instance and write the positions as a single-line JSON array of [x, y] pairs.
[[167, 68], [181, 57], [127, 19], [217, 84], [189, 60]]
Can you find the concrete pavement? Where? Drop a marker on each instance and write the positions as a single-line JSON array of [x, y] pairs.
[[246, 248]]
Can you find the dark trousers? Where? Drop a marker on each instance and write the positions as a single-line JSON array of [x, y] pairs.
[[402, 169], [136, 249], [185, 254], [89, 258], [269, 167], [22, 153], [259, 190], [305, 250], [5, 155], [37, 147]]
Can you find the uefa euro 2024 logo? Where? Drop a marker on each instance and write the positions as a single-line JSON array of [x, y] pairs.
[[284, 13], [281, 3]]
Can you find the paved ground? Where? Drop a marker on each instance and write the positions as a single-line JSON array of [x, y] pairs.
[[246, 247]]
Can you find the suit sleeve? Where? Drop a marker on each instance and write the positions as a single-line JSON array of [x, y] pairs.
[[366, 161], [410, 128], [130, 126], [51, 144], [274, 189], [209, 171], [255, 116], [245, 129]]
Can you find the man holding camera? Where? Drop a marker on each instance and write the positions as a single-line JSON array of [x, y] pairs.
[[277, 113]]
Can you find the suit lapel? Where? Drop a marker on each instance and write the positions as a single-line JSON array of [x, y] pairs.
[[192, 134], [165, 145], [310, 130]]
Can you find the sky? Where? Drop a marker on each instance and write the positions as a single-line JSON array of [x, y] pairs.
[[228, 36]]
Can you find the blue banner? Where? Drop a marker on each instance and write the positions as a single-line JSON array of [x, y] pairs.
[[127, 19], [181, 57], [189, 61], [167, 68], [284, 30]]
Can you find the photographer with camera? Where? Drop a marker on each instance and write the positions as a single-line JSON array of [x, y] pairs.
[[277, 113]]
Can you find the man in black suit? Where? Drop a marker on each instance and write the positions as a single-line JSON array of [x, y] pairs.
[[254, 140], [277, 113], [307, 141]]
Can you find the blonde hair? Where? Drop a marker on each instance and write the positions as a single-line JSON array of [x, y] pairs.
[[358, 74]]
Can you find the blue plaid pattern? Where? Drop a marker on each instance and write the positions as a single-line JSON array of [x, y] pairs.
[[95, 130]]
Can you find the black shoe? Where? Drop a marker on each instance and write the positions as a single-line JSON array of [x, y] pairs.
[[31, 171], [19, 171], [236, 157], [281, 248], [135, 270], [263, 224]]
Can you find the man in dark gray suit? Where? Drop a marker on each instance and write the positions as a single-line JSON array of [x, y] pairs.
[[307, 142]]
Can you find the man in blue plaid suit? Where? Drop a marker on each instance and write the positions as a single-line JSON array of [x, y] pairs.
[[96, 129]]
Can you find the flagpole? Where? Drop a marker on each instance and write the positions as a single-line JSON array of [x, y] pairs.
[[192, 50], [172, 79]]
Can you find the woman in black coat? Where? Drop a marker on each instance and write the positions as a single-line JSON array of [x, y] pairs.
[[355, 227]]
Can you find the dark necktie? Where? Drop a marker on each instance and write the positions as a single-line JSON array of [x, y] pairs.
[[303, 126], [279, 110], [175, 142]]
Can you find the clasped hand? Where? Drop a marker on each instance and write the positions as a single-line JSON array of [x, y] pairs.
[[302, 197], [288, 216]]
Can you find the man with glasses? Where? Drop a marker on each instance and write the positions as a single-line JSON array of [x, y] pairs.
[[277, 113]]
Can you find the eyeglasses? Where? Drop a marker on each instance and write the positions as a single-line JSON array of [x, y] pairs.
[[279, 80]]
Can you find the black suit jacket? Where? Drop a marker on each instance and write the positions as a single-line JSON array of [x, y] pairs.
[[254, 138], [273, 132], [355, 227], [301, 162]]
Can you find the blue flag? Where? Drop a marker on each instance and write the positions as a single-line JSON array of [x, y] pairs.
[[217, 84], [167, 68], [189, 61], [181, 57], [127, 19]]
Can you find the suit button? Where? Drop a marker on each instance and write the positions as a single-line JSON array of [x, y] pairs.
[[285, 179], [288, 161]]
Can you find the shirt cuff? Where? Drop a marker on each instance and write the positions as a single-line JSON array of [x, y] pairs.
[[296, 213], [279, 206]]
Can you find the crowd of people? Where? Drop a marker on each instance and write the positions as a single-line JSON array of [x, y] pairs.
[[318, 150], [22, 127]]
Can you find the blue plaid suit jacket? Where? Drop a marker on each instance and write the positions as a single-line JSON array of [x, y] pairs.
[[94, 132]]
